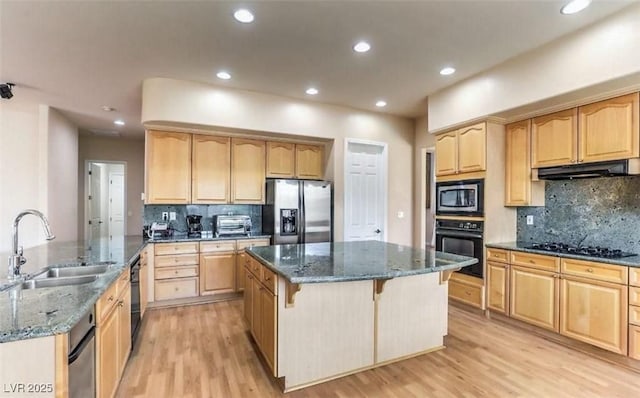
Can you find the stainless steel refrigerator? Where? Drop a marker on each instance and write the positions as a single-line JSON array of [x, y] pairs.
[[298, 211]]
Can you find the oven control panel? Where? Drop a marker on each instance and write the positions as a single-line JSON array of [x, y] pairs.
[[460, 225]]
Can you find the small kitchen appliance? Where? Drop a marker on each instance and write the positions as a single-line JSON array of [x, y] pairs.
[[194, 226], [232, 225]]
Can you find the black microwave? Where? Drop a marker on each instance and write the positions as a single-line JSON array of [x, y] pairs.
[[460, 198]]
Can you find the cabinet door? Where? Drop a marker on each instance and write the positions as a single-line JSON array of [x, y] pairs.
[[472, 148], [124, 329], [554, 139], [594, 312], [248, 298], [498, 287], [144, 286], [281, 159], [217, 273], [534, 297], [256, 313], [247, 171], [268, 345], [634, 342], [107, 369], [518, 165], [167, 168], [447, 153], [309, 160], [608, 130], [211, 169], [240, 277]]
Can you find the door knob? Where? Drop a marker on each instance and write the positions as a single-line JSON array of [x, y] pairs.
[[377, 231]]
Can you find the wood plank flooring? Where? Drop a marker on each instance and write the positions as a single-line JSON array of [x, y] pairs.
[[205, 351]]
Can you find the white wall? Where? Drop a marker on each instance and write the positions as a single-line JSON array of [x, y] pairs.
[[605, 51], [423, 141], [168, 102]]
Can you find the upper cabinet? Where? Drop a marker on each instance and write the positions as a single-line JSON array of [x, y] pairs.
[[608, 130], [605, 130], [519, 188], [461, 151], [281, 159], [247, 171], [211, 169], [168, 168], [309, 160]]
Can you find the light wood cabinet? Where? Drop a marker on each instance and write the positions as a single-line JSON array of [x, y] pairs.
[[281, 159], [167, 168], [144, 281], [124, 328], [534, 297], [309, 161], [461, 151], [539, 261], [268, 333], [498, 287], [467, 289], [242, 259], [634, 342], [594, 312], [608, 130], [176, 270], [248, 297], [447, 153], [211, 169], [555, 139], [247, 171], [520, 190], [217, 273], [256, 311]]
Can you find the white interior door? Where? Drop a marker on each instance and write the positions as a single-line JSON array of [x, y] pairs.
[[116, 205], [93, 201], [365, 190]]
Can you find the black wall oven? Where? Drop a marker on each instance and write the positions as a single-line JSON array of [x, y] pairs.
[[464, 238], [460, 198]]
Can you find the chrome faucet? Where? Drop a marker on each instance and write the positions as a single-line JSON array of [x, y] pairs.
[[16, 259]]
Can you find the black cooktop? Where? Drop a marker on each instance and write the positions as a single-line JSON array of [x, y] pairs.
[[591, 251]]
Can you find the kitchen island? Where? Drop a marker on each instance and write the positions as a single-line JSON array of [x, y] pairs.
[[325, 310]]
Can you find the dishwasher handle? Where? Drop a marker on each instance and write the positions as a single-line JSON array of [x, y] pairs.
[[82, 345]]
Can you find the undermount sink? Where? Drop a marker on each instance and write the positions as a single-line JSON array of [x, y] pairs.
[[60, 281], [62, 272]]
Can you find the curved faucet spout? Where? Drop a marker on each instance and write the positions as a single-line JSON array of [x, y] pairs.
[[16, 259]]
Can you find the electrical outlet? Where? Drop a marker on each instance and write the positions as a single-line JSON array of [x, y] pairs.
[[172, 216], [165, 216], [401, 214], [529, 220]]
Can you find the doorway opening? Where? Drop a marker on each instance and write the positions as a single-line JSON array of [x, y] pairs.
[[365, 187], [105, 203]]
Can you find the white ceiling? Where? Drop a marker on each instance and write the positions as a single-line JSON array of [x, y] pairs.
[[79, 56]]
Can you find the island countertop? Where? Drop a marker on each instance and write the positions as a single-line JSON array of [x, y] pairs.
[[351, 261]]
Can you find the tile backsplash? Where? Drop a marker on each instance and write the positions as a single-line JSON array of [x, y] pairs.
[[592, 212], [154, 213]]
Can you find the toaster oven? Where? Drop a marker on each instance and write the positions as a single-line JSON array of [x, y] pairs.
[[231, 225]]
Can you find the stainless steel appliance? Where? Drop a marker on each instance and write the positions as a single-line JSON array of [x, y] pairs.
[[589, 251], [231, 225], [460, 198], [298, 211], [194, 226], [82, 357], [464, 238], [589, 170], [134, 278]]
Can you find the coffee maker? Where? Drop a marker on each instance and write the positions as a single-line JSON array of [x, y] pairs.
[[194, 226]]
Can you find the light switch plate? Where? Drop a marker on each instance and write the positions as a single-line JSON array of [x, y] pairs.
[[172, 216], [401, 214], [529, 220]]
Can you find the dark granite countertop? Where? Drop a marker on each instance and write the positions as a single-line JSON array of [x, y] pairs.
[[185, 238], [44, 312], [349, 261], [633, 261]]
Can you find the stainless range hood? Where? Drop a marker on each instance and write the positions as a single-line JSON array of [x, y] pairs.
[[590, 170]]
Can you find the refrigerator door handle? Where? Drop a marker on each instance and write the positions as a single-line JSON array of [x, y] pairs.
[[301, 219]]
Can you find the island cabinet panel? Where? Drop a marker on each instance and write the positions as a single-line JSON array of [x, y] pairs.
[[447, 153], [281, 159], [634, 277], [609, 130], [256, 311], [144, 280], [594, 312], [167, 168], [554, 139], [634, 342], [309, 162], [472, 148], [124, 329], [247, 171], [248, 298], [397, 316], [534, 297], [269, 309], [498, 287], [242, 259], [211, 169], [217, 273]]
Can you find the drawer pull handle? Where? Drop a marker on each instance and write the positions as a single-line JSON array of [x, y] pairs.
[[121, 303], [267, 278], [532, 261], [176, 289], [176, 272], [467, 293], [110, 298], [589, 269]]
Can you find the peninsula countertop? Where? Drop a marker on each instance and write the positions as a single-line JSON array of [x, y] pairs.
[[350, 261]]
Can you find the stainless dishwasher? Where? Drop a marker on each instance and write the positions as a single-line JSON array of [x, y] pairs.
[[82, 357]]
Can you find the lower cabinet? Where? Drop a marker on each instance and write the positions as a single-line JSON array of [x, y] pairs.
[[634, 342], [534, 297], [107, 356], [217, 273], [467, 289], [498, 287], [594, 312]]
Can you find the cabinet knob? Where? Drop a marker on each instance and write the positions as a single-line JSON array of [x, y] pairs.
[[110, 298], [589, 269], [532, 261], [175, 272], [121, 303], [267, 278], [467, 293]]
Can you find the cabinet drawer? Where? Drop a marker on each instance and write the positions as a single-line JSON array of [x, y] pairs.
[[599, 271], [469, 294], [270, 280], [242, 244], [222, 246], [634, 315], [255, 267], [171, 261], [497, 255], [162, 249], [547, 263], [634, 296], [177, 272], [634, 276], [123, 280], [176, 288], [106, 302]]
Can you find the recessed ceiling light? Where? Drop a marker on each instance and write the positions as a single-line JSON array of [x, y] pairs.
[[575, 6], [447, 71], [119, 122], [223, 75], [108, 108], [361, 47], [243, 15], [312, 91], [381, 104]]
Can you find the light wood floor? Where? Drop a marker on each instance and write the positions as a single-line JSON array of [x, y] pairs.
[[205, 351]]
